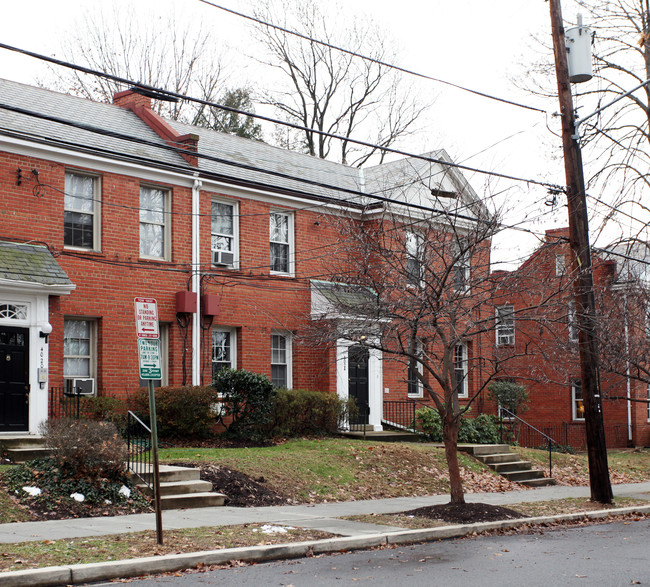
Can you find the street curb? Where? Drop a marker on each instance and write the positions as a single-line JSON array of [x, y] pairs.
[[84, 573]]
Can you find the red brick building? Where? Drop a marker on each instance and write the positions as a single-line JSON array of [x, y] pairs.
[[103, 203], [536, 340]]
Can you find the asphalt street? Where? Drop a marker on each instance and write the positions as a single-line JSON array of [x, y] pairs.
[[609, 555]]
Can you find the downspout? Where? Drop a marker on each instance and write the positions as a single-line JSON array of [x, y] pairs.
[[196, 282], [627, 369]]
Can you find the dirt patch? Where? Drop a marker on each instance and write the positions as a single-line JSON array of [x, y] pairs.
[[241, 490], [465, 513]]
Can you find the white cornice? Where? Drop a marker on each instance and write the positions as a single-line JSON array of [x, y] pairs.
[[38, 288]]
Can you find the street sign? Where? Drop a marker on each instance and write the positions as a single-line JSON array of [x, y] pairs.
[[149, 356], [146, 318]]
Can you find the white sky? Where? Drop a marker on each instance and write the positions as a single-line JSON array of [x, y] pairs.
[[475, 43]]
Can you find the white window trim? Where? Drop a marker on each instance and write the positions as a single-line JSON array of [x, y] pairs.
[[289, 351], [463, 263], [167, 232], [560, 265], [572, 322], [465, 382], [411, 280], [235, 230], [96, 213], [290, 227], [92, 366], [233, 344], [648, 398], [420, 387], [500, 338], [574, 411]]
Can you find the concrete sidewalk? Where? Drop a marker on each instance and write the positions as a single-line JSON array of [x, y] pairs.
[[318, 516]]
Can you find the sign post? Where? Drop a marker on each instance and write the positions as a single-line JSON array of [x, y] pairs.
[[146, 320]]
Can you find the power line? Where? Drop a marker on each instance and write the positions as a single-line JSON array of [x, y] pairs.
[[164, 92], [370, 59]]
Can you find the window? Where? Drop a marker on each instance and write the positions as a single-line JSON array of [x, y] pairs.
[[648, 398], [647, 323], [78, 348], [281, 360], [461, 268], [572, 322], [414, 260], [280, 235], [163, 329], [505, 325], [154, 223], [460, 369], [224, 234], [81, 211], [224, 350], [414, 385], [13, 311], [576, 400], [560, 265]]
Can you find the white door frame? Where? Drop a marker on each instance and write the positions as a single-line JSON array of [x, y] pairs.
[[375, 379]]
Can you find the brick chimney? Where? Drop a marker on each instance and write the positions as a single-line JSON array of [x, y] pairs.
[[141, 106], [554, 235], [130, 100]]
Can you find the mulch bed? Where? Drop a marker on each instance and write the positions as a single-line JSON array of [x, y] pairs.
[[241, 490], [465, 513]]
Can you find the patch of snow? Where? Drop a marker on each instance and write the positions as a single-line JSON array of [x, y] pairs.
[[77, 496], [33, 491], [125, 491], [268, 529]]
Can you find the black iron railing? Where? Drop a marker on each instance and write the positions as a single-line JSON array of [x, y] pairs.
[[511, 429], [64, 403], [401, 414], [138, 441], [359, 417]]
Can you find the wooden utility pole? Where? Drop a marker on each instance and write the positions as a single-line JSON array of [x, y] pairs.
[[585, 301]]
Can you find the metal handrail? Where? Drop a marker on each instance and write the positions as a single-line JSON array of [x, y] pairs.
[[411, 404], [550, 442], [139, 444]]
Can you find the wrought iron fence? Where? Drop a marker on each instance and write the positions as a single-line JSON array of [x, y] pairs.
[[401, 414], [359, 417], [64, 403], [138, 442], [570, 435]]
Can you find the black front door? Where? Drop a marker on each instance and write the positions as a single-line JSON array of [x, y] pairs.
[[358, 380], [14, 379]]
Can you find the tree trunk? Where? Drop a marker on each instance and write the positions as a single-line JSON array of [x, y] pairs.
[[450, 438]]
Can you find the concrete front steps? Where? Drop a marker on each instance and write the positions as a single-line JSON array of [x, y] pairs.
[[508, 464], [20, 448], [181, 487]]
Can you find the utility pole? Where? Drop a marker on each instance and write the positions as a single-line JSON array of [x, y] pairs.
[[585, 301]]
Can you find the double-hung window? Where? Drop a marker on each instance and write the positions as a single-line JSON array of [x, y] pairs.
[[505, 325], [572, 322], [414, 261], [460, 369], [81, 211], [577, 402], [560, 265], [461, 268], [224, 349], [224, 234], [154, 223], [79, 352], [280, 242], [281, 360]]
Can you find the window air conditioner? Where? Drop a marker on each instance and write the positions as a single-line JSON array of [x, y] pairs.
[[80, 386], [223, 258]]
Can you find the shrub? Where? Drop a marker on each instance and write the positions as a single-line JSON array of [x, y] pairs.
[[509, 395], [300, 412], [181, 412], [484, 429], [104, 408], [57, 483], [248, 400], [86, 447]]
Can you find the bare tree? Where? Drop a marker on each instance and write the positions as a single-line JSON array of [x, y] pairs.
[[416, 286], [328, 90], [163, 52]]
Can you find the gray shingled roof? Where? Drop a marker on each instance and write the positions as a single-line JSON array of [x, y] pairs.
[[280, 162], [31, 263], [80, 111], [242, 161]]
